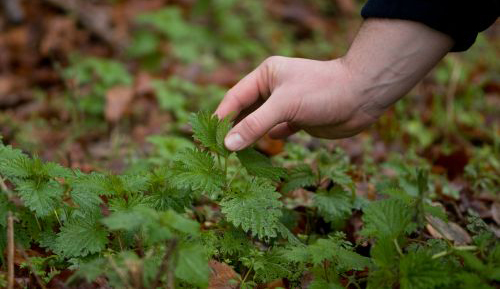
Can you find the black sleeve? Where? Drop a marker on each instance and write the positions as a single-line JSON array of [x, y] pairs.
[[461, 19]]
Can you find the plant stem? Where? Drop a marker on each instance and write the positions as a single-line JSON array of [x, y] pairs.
[[398, 248], [164, 266], [32, 268], [246, 275], [10, 250]]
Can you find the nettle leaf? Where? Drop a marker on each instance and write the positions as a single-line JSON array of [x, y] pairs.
[[9, 153], [18, 167], [40, 197], [196, 170], [192, 265], [388, 218], [86, 189], [81, 235], [333, 205], [334, 249], [257, 209], [210, 131], [299, 177], [96, 184], [418, 270], [23, 167], [259, 165]]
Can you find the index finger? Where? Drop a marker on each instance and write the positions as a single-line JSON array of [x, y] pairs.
[[245, 93]]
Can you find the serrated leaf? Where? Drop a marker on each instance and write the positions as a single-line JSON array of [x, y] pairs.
[[257, 209], [259, 165], [210, 131], [19, 167], [192, 265], [388, 218], [81, 235], [299, 177], [86, 190], [42, 198], [196, 170], [418, 270], [333, 205]]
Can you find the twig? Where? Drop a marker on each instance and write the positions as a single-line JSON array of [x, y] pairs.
[[32, 268], [10, 250], [120, 273], [164, 266]]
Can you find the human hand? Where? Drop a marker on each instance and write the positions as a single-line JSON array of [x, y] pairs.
[[337, 98]]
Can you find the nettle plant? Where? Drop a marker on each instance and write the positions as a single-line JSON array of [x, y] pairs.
[[163, 227]]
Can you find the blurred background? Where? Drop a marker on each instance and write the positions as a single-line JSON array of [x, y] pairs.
[[108, 85]]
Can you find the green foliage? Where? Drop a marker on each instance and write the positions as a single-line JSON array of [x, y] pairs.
[[334, 205], [210, 132], [197, 202], [258, 165], [389, 219], [299, 177], [95, 76], [420, 270], [196, 169], [256, 208], [80, 236]]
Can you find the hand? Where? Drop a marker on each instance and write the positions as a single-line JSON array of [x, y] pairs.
[[337, 98]]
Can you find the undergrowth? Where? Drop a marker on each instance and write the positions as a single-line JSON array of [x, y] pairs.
[[162, 225]]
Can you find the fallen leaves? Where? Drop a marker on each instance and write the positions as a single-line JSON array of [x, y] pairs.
[[450, 231], [222, 276], [118, 100]]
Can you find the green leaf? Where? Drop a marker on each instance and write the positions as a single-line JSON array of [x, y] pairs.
[[299, 177], [192, 265], [388, 218], [86, 189], [196, 170], [334, 205], [210, 131], [259, 165], [419, 271], [42, 198], [81, 235], [257, 209]]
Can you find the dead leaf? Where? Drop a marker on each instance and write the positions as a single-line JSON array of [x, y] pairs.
[[495, 212], [142, 83], [451, 231], [60, 36], [221, 275], [270, 146], [118, 100]]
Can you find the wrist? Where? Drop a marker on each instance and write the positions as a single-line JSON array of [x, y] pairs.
[[388, 57]]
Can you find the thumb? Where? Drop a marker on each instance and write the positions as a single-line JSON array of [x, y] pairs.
[[254, 126]]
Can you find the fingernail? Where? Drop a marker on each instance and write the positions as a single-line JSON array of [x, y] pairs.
[[234, 142]]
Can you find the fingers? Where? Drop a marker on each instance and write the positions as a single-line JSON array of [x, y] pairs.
[[246, 92], [254, 126], [282, 130]]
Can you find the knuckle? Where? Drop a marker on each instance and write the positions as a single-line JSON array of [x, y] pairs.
[[252, 126], [273, 60]]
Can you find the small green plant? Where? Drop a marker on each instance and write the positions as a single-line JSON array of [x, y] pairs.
[[148, 229]]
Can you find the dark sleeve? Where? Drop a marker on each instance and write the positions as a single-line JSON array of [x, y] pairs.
[[461, 19]]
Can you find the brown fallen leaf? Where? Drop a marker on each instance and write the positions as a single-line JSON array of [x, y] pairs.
[[118, 100], [451, 231], [221, 276], [270, 146]]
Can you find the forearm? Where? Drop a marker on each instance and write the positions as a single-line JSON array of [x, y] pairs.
[[388, 58]]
